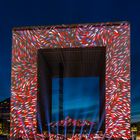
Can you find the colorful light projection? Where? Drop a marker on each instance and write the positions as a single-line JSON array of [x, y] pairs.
[[26, 42]]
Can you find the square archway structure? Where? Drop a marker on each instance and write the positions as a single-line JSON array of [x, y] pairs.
[[26, 42]]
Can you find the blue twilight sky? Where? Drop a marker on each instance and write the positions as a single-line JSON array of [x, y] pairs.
[[49, 12], [80, 98]]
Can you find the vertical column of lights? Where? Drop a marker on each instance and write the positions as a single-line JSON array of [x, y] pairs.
[[26, 42]]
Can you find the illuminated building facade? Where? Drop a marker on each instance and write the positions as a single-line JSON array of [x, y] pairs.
[[5, 116], [26, 42]]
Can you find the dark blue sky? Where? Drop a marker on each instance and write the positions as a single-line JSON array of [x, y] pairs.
[[49, 12]]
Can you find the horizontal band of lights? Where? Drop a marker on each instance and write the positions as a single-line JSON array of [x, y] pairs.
[[26, 41]]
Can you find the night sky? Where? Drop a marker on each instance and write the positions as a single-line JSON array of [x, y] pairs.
[[15, 13], [81, 98]]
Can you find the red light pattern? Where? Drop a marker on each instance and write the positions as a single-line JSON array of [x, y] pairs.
[[26, 42], [74, 137], [72, 122]]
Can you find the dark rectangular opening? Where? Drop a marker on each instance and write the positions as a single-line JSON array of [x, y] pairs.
[[59, 71]]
